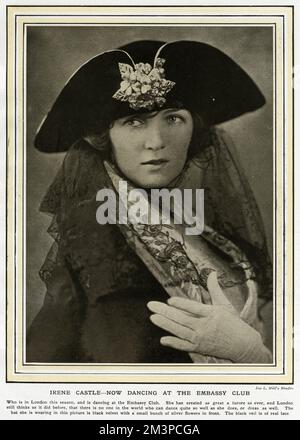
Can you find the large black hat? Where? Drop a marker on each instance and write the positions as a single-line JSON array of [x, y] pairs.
[[146, 76]]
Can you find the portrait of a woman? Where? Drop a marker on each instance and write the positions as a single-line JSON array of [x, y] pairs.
[[147, 113]]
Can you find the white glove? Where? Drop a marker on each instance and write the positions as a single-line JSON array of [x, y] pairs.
[[212, 330]]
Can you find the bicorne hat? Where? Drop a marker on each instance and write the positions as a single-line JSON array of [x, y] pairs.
[[146, 76]]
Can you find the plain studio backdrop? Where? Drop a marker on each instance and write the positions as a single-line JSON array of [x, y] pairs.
[[55, 52]]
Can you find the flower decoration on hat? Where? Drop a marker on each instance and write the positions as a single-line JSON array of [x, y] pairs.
[[143, 86]]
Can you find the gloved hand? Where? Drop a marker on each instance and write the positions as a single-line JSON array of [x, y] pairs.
[[212, 330]]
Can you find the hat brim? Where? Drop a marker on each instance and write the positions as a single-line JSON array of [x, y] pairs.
[[207, 81]]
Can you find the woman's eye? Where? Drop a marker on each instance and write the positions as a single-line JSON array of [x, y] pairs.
[[134, 122], [175, 119]]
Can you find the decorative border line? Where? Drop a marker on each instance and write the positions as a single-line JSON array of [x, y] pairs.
[[15, 176]]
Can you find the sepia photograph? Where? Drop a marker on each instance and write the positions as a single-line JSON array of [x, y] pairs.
[[149, 206], [149, 194], [149, 222]]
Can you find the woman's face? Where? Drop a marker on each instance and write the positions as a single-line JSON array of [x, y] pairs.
[[150, 149]]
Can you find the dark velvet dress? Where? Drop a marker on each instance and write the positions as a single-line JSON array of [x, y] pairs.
[[77, 325]]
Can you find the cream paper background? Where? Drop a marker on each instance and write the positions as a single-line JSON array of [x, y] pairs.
[[42, 391]]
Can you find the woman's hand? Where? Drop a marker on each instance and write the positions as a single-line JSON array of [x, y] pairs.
[[212, 330]]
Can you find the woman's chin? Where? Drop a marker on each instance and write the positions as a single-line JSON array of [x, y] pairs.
[[152, 182]]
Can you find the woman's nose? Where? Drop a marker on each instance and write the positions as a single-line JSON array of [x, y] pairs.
[[154, 138]]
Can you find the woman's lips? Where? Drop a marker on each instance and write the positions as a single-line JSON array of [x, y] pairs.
[[155, 162]]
